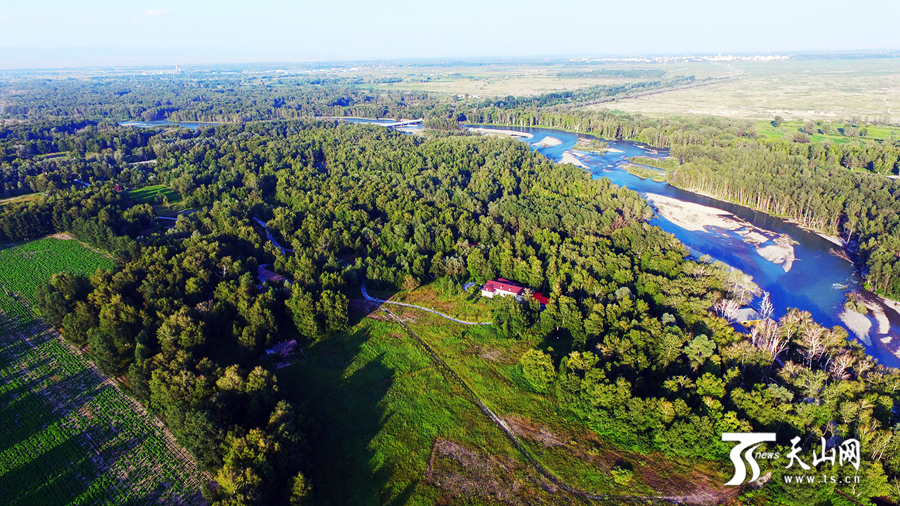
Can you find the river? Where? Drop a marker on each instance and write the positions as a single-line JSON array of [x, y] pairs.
[[816, 281], [164, 123]]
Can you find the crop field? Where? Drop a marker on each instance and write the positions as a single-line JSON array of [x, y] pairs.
[[69, 435], [24, 267]]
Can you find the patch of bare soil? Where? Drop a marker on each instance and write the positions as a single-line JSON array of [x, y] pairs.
[[526, 429], [466, 474], [654, 470], [492, 355], [62, 236]]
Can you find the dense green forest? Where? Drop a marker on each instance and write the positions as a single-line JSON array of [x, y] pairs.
[[629, 345]]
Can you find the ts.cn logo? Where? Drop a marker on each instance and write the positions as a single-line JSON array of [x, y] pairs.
[[848, 452], [749, 441]]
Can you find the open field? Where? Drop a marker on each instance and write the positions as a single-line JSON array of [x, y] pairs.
[[793, 128], [416, 438], [69, 435], [828, 90], [502, 80], [148, 194], [21, 198]]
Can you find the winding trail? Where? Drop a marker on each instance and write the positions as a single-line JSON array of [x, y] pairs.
[[382, 301]]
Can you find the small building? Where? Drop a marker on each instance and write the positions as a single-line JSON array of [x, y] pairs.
[[264, 275], [543, 299], [282, 349], [502, 288]]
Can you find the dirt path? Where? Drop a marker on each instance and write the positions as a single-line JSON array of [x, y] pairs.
[[531, 460]]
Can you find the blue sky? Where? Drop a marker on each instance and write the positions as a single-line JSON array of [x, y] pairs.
[[200, 31]]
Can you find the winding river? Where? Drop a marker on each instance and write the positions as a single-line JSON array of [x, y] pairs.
[[815, 280]]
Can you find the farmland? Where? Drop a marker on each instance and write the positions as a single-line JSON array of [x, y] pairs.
[[70, 435], [24, 267]]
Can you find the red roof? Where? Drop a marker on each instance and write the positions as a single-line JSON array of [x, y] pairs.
[[502, 284], [543, 299]]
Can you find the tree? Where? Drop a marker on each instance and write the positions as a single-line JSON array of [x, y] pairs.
[[537, 368], [332, 308], [303, 312], [699, 350]]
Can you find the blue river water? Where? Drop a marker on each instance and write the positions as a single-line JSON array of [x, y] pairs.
[[816, 282], [164, 123]]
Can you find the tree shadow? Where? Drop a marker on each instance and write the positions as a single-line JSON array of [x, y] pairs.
[[343, 390]]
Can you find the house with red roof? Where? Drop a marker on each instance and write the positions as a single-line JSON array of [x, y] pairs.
[[502, 288]]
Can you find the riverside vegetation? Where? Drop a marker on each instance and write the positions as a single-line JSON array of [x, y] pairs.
[[627, 347]]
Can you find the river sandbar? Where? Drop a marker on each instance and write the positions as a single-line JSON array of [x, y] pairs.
[[569, 157], [547, 142], [858, 324], [500, 133], [696, 218], [690, 216]]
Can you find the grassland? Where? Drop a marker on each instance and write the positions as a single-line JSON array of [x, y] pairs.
[[21, 198], [503, 80], [392, 429], [828, 90], [149, 194], [70, 436], [793, 128]]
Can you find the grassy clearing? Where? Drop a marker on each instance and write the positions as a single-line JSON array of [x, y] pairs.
[[389, 428], [149, 194], [642, 172], [793, 128], [69, 435], [21, 198]]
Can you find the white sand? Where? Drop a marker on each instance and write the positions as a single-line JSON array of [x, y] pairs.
[[614, 150], [884, 325], [858, 324], [690, 216], [778, 255], [781, 253], [752, 237], [500, 133], [547, 142], [696, 218], [569, 157], [831, 238]]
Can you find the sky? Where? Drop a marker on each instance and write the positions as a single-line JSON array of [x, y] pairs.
[[45, 33]]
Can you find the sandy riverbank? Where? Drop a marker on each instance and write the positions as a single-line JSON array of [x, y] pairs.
[[547, 142], [775, 248], [858, 324], [500, 133], [693, 217], [569, 157]]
